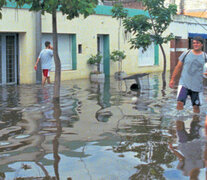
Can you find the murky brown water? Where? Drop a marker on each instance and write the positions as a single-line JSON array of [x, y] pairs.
[[97, 133]]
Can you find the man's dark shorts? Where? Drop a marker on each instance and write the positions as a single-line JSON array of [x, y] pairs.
[[183, 93]]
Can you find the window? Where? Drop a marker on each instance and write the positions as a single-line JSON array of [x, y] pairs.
[[8, 58], [146, 58], [79, 48], [64, 49]]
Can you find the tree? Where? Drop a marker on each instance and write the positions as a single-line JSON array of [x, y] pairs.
[[2, 3], [118, 56], [149, 28], [70, 8]]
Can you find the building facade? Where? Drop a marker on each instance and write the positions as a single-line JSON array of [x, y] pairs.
[[196, 8], [78, 39]]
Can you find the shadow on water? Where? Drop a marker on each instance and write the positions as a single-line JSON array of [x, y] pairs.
[[96, 131]]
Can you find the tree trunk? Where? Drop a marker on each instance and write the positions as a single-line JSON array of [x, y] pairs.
[[164, 68], [56, 57]]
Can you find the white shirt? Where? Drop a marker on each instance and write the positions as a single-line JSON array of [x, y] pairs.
[[46, 58]]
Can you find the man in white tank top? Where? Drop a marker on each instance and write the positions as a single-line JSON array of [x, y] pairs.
[[46, 62]]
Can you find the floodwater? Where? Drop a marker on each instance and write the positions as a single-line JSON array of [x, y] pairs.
[[96, 132]]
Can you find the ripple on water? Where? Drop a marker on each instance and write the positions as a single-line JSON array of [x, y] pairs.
[[22, 136], [92, 126], [4, 143]]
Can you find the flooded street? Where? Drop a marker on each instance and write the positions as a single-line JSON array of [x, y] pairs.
[[96, 132]]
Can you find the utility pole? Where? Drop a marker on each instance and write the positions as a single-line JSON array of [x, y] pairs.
[[182, 6]]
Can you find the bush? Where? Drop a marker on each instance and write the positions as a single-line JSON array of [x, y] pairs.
[[117, 55], [94, 59]]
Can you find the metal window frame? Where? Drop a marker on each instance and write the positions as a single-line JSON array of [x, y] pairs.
[[4, 58]]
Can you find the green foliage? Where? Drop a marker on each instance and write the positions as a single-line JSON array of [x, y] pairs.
[[148, 29], [70, 8], [118, 11], [2, 3], [94, 59], [141, 40], [117, 56], [139, 26], [138, 23]]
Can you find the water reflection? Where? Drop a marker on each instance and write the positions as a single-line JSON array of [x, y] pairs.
[[22, 139], [18, 138], [103, 99], [9, 101], [144, 137], [57, 114], [191, 148], [93, 132]]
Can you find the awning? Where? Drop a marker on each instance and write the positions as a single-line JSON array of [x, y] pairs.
[[192, 35]]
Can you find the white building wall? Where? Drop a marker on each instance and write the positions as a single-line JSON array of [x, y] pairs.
[[22, 22], [182, 25]]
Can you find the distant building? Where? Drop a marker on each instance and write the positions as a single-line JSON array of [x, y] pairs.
[[134, 4], [196, 8]]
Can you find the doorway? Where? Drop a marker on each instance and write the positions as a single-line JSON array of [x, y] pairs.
[[103, 50], [8, 59]]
